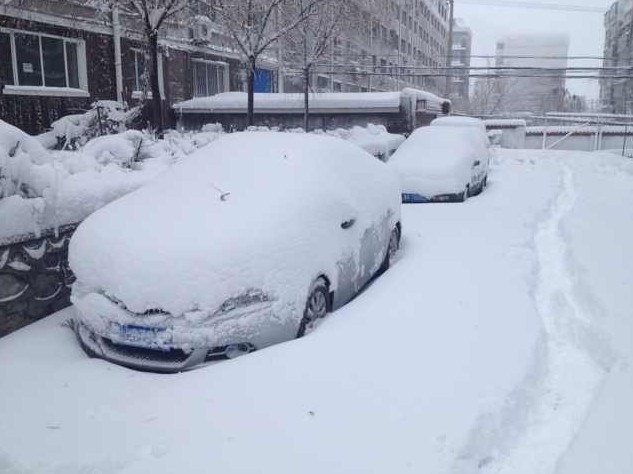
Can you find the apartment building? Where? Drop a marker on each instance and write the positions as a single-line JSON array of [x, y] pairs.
[[535, 93], [616, 95], [461, 56], [395, 44]]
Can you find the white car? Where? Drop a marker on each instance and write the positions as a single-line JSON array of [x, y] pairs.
[[477, 128], [440, 163], [244, 244]]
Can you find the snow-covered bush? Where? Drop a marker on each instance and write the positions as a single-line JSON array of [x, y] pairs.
[[106, 117]]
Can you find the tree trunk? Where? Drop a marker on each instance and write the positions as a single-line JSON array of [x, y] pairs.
[[251, 91], [306, 98], [157, 106]]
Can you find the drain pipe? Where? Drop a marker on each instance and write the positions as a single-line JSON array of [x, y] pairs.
[[118, 67]]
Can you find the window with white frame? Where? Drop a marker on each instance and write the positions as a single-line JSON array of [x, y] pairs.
[[141, 86], [209, 77], [40, 60], [140, 76]]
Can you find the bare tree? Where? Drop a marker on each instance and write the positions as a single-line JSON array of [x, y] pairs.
[[152, 15], [309, 43], [255, 25]]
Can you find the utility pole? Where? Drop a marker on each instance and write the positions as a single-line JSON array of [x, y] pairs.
[[449, 53]]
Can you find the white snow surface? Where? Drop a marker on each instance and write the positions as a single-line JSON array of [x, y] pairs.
[[437, 160], [499, 341], [250, 211]]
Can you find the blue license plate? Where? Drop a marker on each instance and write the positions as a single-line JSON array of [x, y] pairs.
[[413, 197], [132, 332]]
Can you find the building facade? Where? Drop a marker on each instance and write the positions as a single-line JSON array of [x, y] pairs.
[[460, 58], [57, 58], [616, 95], [526, 90], [391, 44]]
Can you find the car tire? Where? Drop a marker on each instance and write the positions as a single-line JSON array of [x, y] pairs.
[[317, 306], [392, 248], [464, 195]]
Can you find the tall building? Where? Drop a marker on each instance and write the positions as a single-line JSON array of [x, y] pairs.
[[395, 44], [460, 82], [536, 93], [616, 95]]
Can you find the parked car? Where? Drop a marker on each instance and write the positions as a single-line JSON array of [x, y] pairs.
[[442, 163], [477, 128], [244, 244]]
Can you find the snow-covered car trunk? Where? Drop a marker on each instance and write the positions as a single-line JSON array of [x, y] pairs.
[[224, 248]]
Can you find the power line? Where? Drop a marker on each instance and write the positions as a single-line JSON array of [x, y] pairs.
[[535, 5]]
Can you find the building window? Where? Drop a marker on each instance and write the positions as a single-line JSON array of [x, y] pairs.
[[140, 76], [209, 77], [38, 60]]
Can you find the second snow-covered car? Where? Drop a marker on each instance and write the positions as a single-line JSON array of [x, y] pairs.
[[245, 244], [441, 164]]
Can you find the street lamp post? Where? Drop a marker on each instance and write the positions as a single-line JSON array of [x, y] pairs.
[[449, 54]]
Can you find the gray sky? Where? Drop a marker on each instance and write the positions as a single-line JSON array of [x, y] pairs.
[[585, 30]]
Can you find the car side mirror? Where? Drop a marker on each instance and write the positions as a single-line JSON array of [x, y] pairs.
[[347, 224], [476, 163]]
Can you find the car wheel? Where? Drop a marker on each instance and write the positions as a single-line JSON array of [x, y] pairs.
[[392, 249], [316, 307], [464, 195]]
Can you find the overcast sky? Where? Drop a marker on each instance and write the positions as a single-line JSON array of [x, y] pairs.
[[585, 30]]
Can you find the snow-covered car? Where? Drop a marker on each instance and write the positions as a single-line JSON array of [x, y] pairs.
[[477, 128], [441, 164], [246, 243]]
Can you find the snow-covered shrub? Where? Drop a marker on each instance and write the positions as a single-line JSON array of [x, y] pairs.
[[106, 117], [22, 159]]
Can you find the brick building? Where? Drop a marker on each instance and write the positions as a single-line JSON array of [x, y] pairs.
[[56, 58]]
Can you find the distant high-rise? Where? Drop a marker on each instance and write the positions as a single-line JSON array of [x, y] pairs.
[[536, 93], [616, 95], [460, 82]]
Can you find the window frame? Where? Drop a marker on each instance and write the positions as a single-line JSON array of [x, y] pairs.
[[22, 89], [225, 73]]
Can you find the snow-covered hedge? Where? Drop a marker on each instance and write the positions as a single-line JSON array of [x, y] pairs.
[[106, 117], [42, 188]]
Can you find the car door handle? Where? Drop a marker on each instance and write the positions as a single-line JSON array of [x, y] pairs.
[[348, 223]]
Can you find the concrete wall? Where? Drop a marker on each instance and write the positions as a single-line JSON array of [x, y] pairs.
[[580, 142]]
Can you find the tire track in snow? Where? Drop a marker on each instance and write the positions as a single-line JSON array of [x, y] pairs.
[[542, 416]]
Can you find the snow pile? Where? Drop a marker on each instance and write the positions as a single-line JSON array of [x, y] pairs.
[[374, 139], [40, 189], [106, 117], [252, 210]]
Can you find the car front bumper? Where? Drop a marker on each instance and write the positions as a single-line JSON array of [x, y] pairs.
[[152, 359]]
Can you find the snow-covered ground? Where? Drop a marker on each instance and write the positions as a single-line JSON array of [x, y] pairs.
[[500, 341]]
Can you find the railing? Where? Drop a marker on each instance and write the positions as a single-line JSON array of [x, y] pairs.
[[34, 277]]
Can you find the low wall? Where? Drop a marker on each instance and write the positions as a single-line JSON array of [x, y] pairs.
[[34, 277], [580, 142]]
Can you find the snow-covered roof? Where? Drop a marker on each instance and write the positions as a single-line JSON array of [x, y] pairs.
[[587, 129], [330, 102]]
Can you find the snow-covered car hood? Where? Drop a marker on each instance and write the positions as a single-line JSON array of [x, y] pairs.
[[250, 211]]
